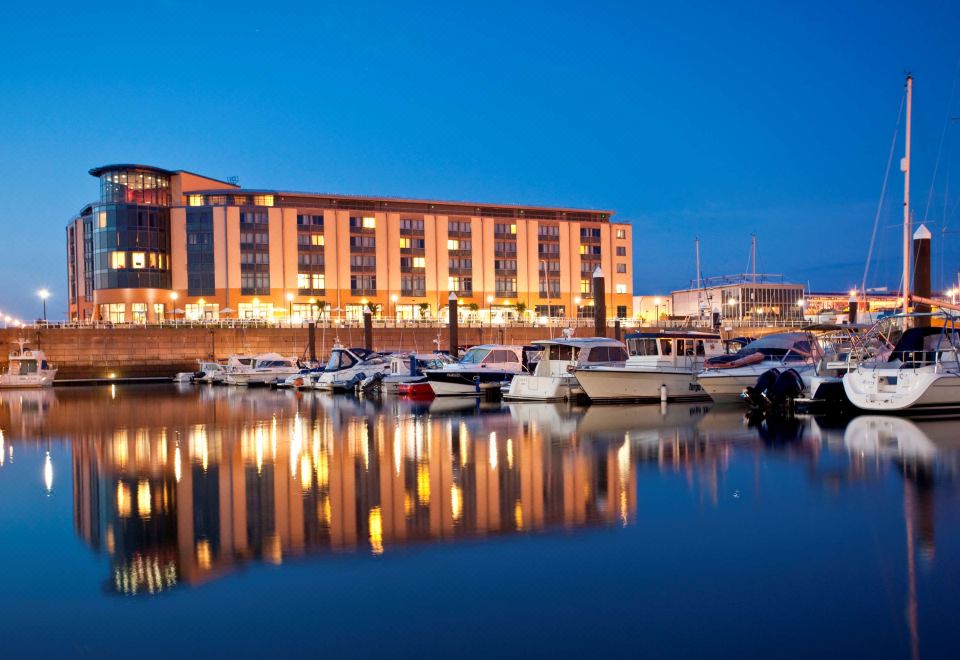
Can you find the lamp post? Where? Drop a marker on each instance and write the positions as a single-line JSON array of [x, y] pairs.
[[656, 307], [394, 298], [290, 308], [44, 294], [173, 296]]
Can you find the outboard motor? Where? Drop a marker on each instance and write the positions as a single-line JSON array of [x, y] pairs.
[[789, 386], [759, 394]]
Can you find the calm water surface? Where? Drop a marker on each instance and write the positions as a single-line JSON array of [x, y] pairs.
[[221, 522]]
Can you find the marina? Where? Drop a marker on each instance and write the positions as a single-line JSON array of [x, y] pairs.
[[173, 502]]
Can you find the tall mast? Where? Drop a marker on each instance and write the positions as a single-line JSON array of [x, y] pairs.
[[699, 288], [753, 256], [905, 166]]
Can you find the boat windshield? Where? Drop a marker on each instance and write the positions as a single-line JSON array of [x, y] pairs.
[[474, 356], [778, 347], [340, 359]]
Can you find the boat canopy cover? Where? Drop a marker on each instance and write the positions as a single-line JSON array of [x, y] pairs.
[[923, 339], [673, 335]]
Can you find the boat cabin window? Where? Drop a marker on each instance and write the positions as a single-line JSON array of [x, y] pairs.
[[690, 347], [474, 356], [22, 367], [340, 360], [502, 356], [559, 352], [607, 354], [642, 346], [666, 347]]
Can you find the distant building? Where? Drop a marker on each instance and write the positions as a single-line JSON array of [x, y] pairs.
[[161, 243], [742, 299]]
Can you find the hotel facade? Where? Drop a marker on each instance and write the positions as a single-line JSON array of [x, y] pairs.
[[164, 244]]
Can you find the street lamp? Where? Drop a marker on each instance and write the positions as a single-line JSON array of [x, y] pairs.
[[656, 306], [394, 298], [44, 294], [290, 307]]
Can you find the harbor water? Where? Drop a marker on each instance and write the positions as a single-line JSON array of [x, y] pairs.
[[210, 522]]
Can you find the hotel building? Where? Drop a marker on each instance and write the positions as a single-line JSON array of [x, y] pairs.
[[161, 243]]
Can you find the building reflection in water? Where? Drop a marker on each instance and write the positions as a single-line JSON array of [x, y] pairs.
[[186, 503]]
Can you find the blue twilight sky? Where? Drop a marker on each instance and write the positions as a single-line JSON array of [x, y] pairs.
[[688, 119]]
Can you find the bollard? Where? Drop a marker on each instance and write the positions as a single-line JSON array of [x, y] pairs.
[[921, 272], [616, 330], [854, 306], [312, 341], [599, 304], [367, 329], [663, 393], [453, 321]]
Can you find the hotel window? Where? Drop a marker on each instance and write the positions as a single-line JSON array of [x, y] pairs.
[[460, 284], [621, 251], [460, 263], [621, 268], [316, 240], [370, 222], [139, 312], [506, 285], [590, 232], [251, 311], [263, 200], [413, 285], [621, 288], [365, 260], [459, 227], [195, 200], [303, 280], [363, 284], [404, 243], [504, 247], [505, 265], [102, 219], [502, 228], [408, 263], [548, 231], [453, 244], [114, 312], [138, 260], [363, 242], [549, 248], [410, 224], [253, 217], [159, 311], [363, 222], [419, 262], [310, 220], [217, 200], [621, 233], [590, 250], [118, 260], [586, 286]]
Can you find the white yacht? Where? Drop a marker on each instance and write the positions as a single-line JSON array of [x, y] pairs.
[[265, 369], [349, 366], [726, 377], [667, 360], [921, 374], [481, 366], [553, 379], [206, 372], [28, 369]]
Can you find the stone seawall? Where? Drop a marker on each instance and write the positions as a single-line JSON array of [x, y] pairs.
[[137, 352]]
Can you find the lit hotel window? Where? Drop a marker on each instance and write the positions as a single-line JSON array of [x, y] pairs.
[[195, 200], [583, 249], [453, 244], [138, 260], [263, 200], [319, 281], [621, 288], [419, 262], [118, 260], [369, 223], [404, 243], [621, 233], [102, 217], [316, 239]]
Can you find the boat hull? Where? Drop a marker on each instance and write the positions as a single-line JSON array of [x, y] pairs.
[[727, 385], [524, 387], [616, 384], [912, 391], [464, 383], [33, 381]]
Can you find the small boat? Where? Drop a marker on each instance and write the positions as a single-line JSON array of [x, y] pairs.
[[726, 377], [206, 372], [347, 367], [265, 369], [659, 364], [303, 379], [489, 365], [554, 378], [921, 373], [27, 369], [409, 369]]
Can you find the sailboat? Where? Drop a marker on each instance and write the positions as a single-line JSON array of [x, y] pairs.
[[922, 373]]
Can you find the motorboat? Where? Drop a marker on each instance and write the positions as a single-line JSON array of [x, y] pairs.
[[488, 365], [659, 364], [726, 377], [264, 370], [303, 379], [921, 373], [554, 377], [27, 368], [348, 367], [207, 372], [409, 369]]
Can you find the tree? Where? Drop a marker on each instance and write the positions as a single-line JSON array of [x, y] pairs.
[[521, 309], [424, 310], [473, 307]]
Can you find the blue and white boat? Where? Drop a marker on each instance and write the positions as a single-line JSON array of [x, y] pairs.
[[481, 366]]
